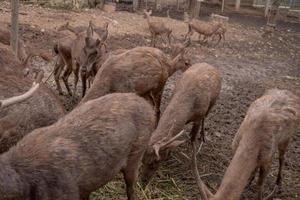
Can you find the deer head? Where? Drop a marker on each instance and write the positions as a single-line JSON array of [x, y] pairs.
[[91, 53]]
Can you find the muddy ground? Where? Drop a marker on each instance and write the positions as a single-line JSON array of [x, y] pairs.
[[248, 62]]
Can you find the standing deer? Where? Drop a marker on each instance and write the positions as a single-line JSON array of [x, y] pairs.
[[157, 28], [195, 94], [142, 70], [69, 51], [42, 109], [269, 124], [81, 152]]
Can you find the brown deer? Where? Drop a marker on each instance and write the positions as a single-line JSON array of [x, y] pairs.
[[81, 152], [207, 29], [92, 57], [195, 94], [142, 70], [43, 109], [269, 124], [63, 50], [69, 51], [157, 28]]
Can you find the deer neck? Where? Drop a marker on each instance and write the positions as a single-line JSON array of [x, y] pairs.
[[239, 171], [175, 116]]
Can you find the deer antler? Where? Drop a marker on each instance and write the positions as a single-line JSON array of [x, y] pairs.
[[17, 99]]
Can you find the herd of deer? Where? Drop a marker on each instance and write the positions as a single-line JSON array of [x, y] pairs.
[[50, 154]]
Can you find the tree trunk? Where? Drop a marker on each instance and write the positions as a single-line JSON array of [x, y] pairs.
[[14, 25]]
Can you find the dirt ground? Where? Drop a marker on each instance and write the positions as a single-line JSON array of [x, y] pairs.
[[248, 62]]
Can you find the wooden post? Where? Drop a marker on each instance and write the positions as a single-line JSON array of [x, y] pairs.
[[223, 4], [237, 5], [14, 25]]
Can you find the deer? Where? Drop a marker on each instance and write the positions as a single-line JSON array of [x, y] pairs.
[[81, 152], [142, 70], [69, 52], [269, 124], [157, 28], [42, 109], [207, 29], [92, 57], [194, 96]]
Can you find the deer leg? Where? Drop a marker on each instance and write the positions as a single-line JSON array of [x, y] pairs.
[[59, 65], [252, 177], [83, 80], [202, 132], [76, 74], [130, 173], [282, 149], [263, 171], [154, 38], [65, 78], [194, 131], [156, 100]]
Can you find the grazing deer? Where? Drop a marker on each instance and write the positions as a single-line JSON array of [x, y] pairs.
[[195, 94], [207, 29], [81, 152], [268, 125], [157, 28], [42, 109], [142, 70]]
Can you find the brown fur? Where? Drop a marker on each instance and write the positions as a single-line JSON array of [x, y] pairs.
[[195, 94], [43, 109], [142, 70], [157, 28], [81, 152], [269, 124]]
